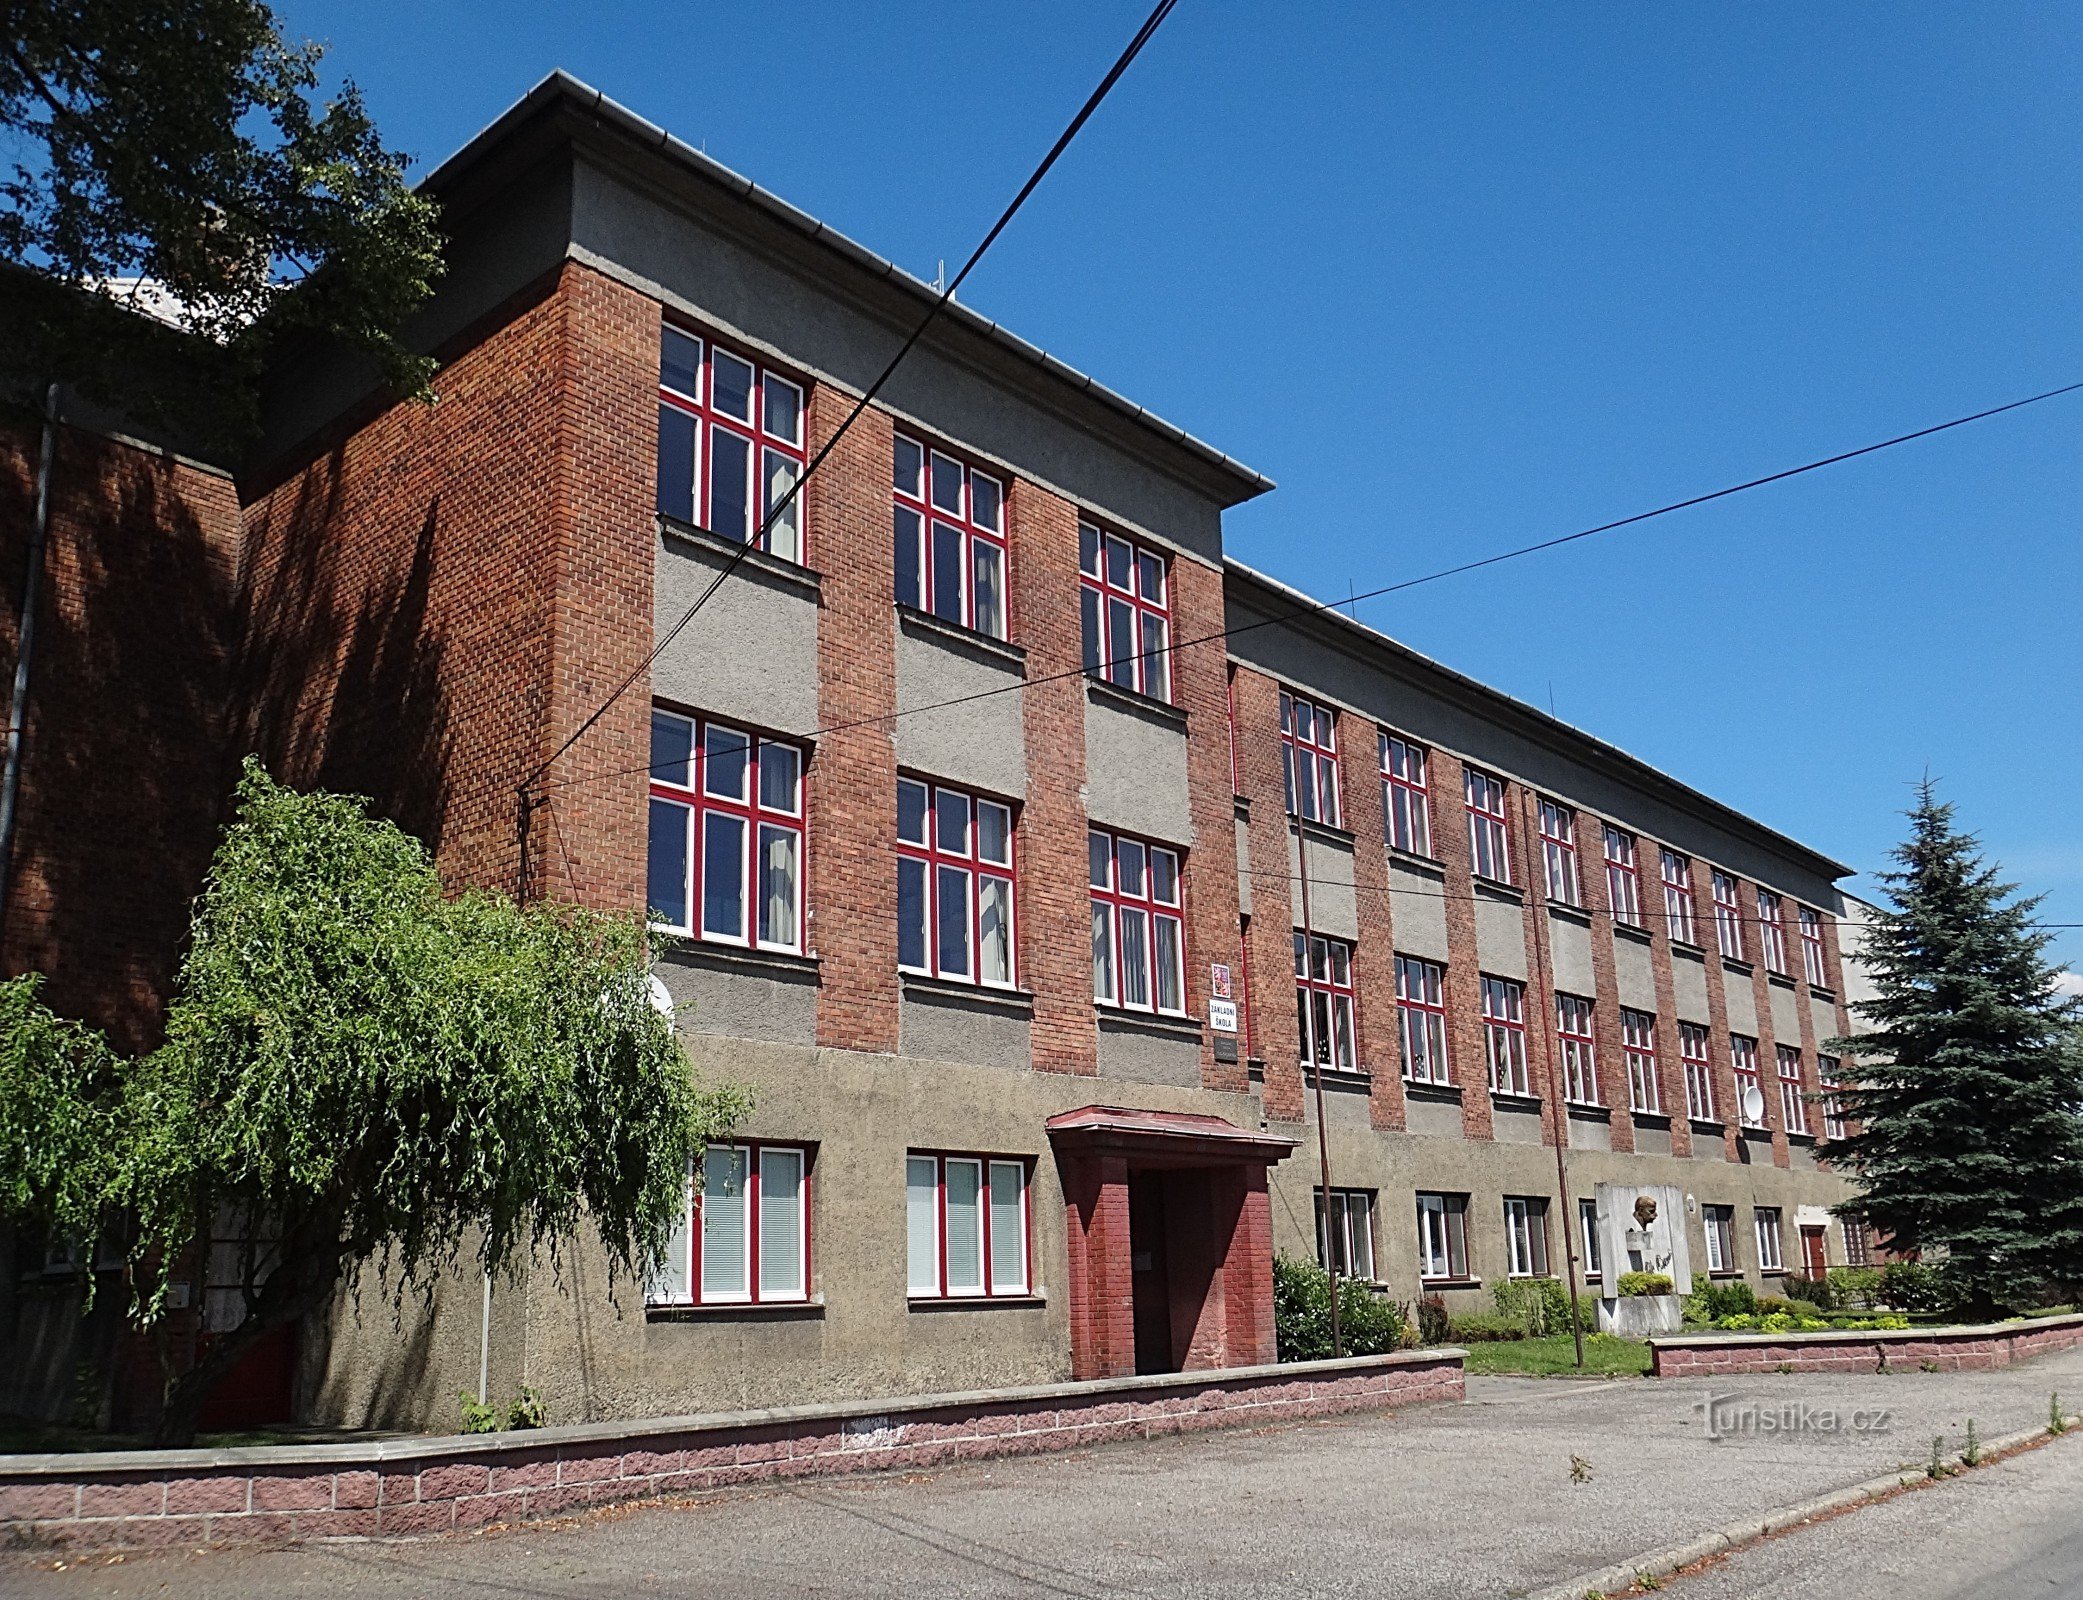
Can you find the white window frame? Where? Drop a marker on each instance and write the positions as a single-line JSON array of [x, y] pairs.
[[1675, 872], [1592, 1248], [1699, 1070], [1772, 932], [1351, 1215], [1442, 1237], [1526, 1236], [1793, 1102], [1623, 877], [1815, 953], [1576, 1039], [1504, 1036], [1421, 1011], [1309, 759], [1743, 1059], [1769, 1222], [1728, 915], [1559, 853], [981, 540], [1124, 579], [1489, 826], [1638, 1045], [1406, 794], [1318, 987], [1719, 1225]]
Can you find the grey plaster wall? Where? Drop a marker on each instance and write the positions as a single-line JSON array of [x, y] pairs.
[[1334, 906], [1417, 911], [749, 655], [1405, 692], [744, 1002], [1652, 1141], [934, 1027], [1586, 1133], [1500, 939], [1432, 1118], [1634, 974], [1130, 1052], [980, 744], [1569, 952], [1135, 770], [1786, 1014], [1515, 1127], [1743, 1008], [1824, 1016], [1243, 834], [1689, 985], [767, 297]]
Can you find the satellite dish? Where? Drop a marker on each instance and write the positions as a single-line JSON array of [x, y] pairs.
[[661, 997], [1753, 1103]]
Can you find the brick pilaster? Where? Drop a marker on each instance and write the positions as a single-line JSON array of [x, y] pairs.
[[1374, 959], [1055, 904], [1670, 1055], [1543, 1064], [853, 774], [1717, 1009], [1200, 685], [1272, 895], [1464, 985], [1612, 1054]]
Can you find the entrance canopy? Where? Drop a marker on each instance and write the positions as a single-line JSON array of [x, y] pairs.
[[1170, 1234]]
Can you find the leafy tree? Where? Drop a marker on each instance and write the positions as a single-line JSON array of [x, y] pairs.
[[375, 1076], [1970, 1076], [173, 157], [59, 1088]]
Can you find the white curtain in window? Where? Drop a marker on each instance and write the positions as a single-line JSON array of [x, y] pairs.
[[725, 1223], [922, 1223], [965, 1226], [781, 1225], [1008, 1228]]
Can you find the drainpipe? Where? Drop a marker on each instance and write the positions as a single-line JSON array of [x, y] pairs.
[[1323, 1143], [484, 1345], [25, 650]]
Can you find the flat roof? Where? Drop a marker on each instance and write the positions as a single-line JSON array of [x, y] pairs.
[[560, 90], [1543, 725]]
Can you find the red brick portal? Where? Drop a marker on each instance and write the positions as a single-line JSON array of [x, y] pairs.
[[1170, 1234]]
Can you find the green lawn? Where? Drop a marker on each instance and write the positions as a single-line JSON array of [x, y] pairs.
[[1556, 1356]]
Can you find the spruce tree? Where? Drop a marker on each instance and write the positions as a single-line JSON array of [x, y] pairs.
[[1969, 1076]]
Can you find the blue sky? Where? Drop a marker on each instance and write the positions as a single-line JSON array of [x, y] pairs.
[[1460, 277]]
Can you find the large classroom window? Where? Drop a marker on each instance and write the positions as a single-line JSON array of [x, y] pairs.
[[1125, 612], [726, 833], [966, 1226], [1138, 933], [745, 1238], [730, 444], [955, 910], [949, 524]]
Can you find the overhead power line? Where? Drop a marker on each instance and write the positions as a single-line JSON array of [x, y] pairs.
[[1134, 48], [1317, 607]]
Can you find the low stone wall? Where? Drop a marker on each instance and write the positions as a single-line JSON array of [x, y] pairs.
[[412, 1486], [1969, 1349]]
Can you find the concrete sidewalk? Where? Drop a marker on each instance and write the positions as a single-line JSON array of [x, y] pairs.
[[1453, 1502]]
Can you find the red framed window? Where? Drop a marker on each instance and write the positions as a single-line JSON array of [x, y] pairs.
[[1406, 796], [1421, 1005], [955, 907], [1138, 930], [1309, 759], [1578, 1046], [1743, 1053], [1125, 607], [730, 443], [948, 521], [1793, 1104], [1504, 1035], [1728, 916], [1324, 1002], [1836, 1124], [744, 1239], [1677, 882], [726, 834], [1815, 955], [1489, 841], [966, 1224], [1638, 1044], [1699, 1071], [1772, 931], [1623, 877], [1559, 853]]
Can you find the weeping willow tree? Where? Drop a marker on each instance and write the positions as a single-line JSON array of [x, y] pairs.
[[371, 1073]]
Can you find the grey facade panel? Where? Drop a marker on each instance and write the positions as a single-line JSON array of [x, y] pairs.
[[980, 744], [950, 1028], [1135, 770], [1418, 911], [1515, 1127], [1824, 1016], [1129, 1053], [1786, 1014], [1587, 1133], [1243, 833], [1569, 953], [1432, 1118], [749, 655], [777, 1008], [1652, 1141], [1743, 1008], [1334, 905], [1634, 973], [1500, 936], [1689, 986], [746, 292]]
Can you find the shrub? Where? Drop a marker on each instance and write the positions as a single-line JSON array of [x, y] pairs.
[[1736, 1322], [1485, 1327], [1718, 1300], [1853, 1288], [1769, 1304], [1775, 1322], [1369, 1324], [478, 1417], [527, 1411], [1434, 1325], [1816, 1291], [1915, 1286], [1804, 1308], [1644, 1283]]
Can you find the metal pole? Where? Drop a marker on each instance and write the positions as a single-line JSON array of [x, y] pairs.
[[1323, 1143], [1569, 1221], [484, 1345], [25, 650]]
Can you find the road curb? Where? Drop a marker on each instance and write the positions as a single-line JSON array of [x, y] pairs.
[[1619, 1578]]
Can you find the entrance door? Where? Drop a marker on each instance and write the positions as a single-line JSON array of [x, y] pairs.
[[1152, 1275], [1812, 1252]]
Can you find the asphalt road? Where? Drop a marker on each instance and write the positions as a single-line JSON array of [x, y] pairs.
[[1530, 1482], [2008, 1531]]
